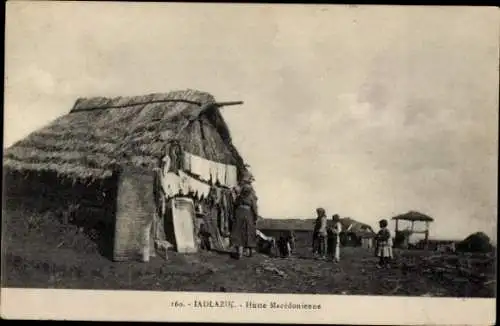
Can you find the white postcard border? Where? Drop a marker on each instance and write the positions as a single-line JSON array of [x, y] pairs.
[[121, 305]]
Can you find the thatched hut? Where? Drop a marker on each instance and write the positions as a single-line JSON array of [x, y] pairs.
[[355, 233], [78, 158]]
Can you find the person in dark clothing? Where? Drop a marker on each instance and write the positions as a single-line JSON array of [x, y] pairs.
[[317, 225], [315, 243], [205, 236], [331, 242], [384, 244], [320, 229], [244, 231], [286, 243]]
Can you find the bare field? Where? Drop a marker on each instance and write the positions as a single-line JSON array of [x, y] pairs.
[[41, 252]]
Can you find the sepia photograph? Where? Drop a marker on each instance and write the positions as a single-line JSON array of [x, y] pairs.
[[251, 159]]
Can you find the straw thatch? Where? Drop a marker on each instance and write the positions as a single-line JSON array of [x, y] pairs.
[[360, 229], [414, 216], [100, 134]]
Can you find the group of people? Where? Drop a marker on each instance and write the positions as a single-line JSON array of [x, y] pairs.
[[326, 239]]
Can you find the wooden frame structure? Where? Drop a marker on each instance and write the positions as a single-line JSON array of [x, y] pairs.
[[413, 217]]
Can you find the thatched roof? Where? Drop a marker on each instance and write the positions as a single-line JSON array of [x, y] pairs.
[[360, 228], [101, 133], [413, 216]]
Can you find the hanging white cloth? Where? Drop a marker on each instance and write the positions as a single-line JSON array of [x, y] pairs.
[[221, 173], [189, 184], [202, 189], [186, 161], [185, 185], [170, 183], [231, 176], [213, 171], [200, 167]]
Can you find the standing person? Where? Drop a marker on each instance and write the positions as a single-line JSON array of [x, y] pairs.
[[322, 234], [384, 241], [286, 243], [205, 235], [336, 230], [244, 231], [315, 243]]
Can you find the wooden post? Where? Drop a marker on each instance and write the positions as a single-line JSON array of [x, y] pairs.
[[426, 234]]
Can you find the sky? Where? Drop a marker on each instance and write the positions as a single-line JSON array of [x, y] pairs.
[[367, 111]]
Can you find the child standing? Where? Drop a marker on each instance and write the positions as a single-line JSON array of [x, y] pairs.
[[336, 230], [384, 244]]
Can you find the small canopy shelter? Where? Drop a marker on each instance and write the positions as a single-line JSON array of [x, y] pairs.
[[413, 217]]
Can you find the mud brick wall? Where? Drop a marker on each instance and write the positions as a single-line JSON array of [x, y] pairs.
[[135, 209]]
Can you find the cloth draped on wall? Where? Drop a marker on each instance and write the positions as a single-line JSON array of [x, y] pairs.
[[227, 212], [215, 172], [186, 161], [199, 189], [171, 184], [231, 176], [199, 166], [221, 173], [190, 185], [218, 202], [184, 183]]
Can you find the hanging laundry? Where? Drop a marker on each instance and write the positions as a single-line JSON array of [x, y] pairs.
[[213, 171], [213, 197], [186, 161], [221, 173], [229, 209], [231, 176], [201, 189], [185, 186], [224, 222], [170, 183], [200, 167], [190, 185], [218, 195]]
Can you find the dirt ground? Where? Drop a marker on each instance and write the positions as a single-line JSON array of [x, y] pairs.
[[40, 252]]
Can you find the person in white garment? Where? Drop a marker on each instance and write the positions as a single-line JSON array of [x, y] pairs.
[[336, 230]]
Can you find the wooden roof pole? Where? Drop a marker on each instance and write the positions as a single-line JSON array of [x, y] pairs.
[[220, 104]]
